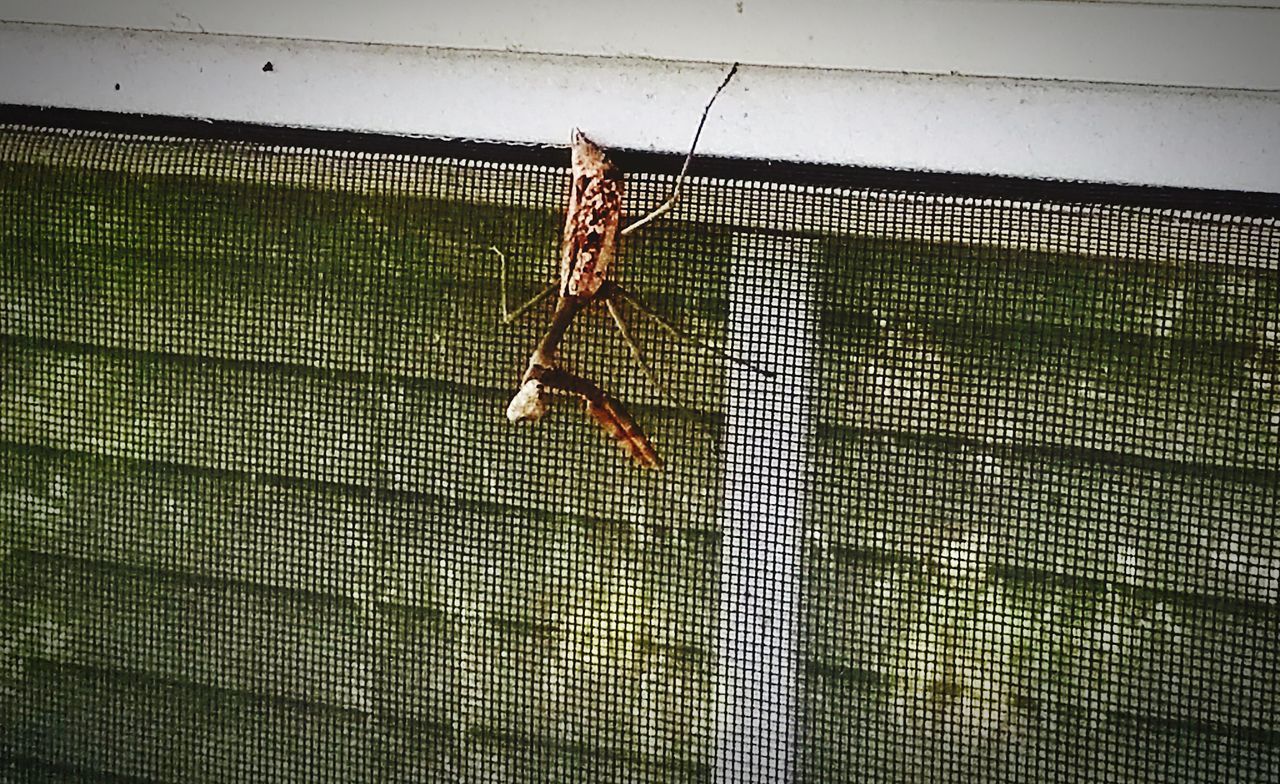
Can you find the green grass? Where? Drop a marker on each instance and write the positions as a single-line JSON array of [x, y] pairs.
[[256, 481], [255, 447]]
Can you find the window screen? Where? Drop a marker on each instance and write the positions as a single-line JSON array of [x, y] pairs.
[[1001, 505]]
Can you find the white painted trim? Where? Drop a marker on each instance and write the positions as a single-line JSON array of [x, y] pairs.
[[1106, 133], [1184, 44]]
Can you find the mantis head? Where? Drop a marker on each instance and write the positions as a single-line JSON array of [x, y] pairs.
[[530, 403]]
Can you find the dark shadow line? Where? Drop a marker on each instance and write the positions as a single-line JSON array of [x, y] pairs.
[[973, 186]]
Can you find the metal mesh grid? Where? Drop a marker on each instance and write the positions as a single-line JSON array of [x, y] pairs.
[[1007, 512]]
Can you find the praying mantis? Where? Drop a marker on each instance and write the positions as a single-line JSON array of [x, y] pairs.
[[592, 230]]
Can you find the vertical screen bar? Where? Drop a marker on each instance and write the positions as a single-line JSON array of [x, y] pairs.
[[767, 435]]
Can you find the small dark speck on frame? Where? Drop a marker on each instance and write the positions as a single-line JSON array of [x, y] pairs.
[[268, 67], [117, 87]]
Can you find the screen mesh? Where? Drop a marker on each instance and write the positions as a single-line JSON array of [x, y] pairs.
[[1004, 511]]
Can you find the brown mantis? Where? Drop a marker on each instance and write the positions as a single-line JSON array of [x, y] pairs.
[[593, 227]]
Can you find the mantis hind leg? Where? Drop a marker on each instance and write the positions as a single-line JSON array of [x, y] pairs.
[[638, 355], [509, 315], [667, 205], [671, 327], [688, 410]]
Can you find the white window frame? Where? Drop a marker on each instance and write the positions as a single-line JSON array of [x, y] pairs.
[[1183, 94]]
